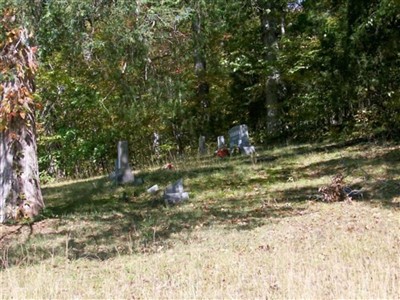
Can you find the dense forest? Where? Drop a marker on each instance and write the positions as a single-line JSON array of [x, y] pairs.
[[113, 70]]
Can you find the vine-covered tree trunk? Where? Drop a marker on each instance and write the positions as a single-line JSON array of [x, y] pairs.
[[20, 194]]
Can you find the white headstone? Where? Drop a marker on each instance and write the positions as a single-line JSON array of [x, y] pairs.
[[156, 144], [221, 142], [153, 189]]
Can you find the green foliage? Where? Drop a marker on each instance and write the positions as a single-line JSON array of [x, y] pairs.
[[18, 67], [338, 60], [113, 70]]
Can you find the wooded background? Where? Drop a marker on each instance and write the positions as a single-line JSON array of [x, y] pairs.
[[291, 70]]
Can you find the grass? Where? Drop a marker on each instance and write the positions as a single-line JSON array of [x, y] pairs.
[[248, 231]]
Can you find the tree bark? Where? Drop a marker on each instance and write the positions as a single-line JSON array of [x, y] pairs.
[[5, 174], [203, 86], [20, 194], [271, 24]]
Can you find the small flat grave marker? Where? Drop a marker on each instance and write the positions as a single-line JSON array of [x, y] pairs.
[[153, 189], [174, 193]]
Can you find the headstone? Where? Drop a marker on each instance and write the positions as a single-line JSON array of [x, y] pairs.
[[153, 189], [174, 193], [202, 145], [239, 137], [123, 171], [221, 142], [156, 144]]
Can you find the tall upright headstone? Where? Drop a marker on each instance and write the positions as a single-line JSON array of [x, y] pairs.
[[156, 144], [221, 142], [202, 145], [123, 172]]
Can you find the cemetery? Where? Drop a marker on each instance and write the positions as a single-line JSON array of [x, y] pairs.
[[199, 149], [174, 192], [206, 208]]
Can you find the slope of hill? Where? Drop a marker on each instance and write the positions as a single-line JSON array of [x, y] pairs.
[[249, 230]]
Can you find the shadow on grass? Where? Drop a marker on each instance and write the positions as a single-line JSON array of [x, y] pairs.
[[96, 219]]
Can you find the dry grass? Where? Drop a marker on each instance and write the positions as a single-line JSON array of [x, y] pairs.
[[248, 231]]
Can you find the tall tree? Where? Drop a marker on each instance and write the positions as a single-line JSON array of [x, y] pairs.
[[270, 13], [20, 194], [200, 67]]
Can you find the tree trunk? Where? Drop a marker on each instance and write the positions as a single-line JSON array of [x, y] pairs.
[[271, 25], [20, 194], [5, 174], [203, 87]]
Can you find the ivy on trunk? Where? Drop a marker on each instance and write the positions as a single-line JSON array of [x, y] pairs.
[[20, 194]]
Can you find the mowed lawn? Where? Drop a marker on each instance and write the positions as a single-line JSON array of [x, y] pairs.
[[248, 231]]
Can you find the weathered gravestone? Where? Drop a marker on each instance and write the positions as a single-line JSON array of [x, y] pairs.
[[153, 189], [156, 144], [174, 193], [202, 145], [123, 172], [221, 142], [239, 138]]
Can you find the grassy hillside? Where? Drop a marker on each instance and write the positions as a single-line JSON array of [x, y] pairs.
[[248, 231]]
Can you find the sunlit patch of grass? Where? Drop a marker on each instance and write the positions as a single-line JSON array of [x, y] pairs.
[[247, 231]]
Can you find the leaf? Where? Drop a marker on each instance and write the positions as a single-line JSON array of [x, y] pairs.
[[22, 114]]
